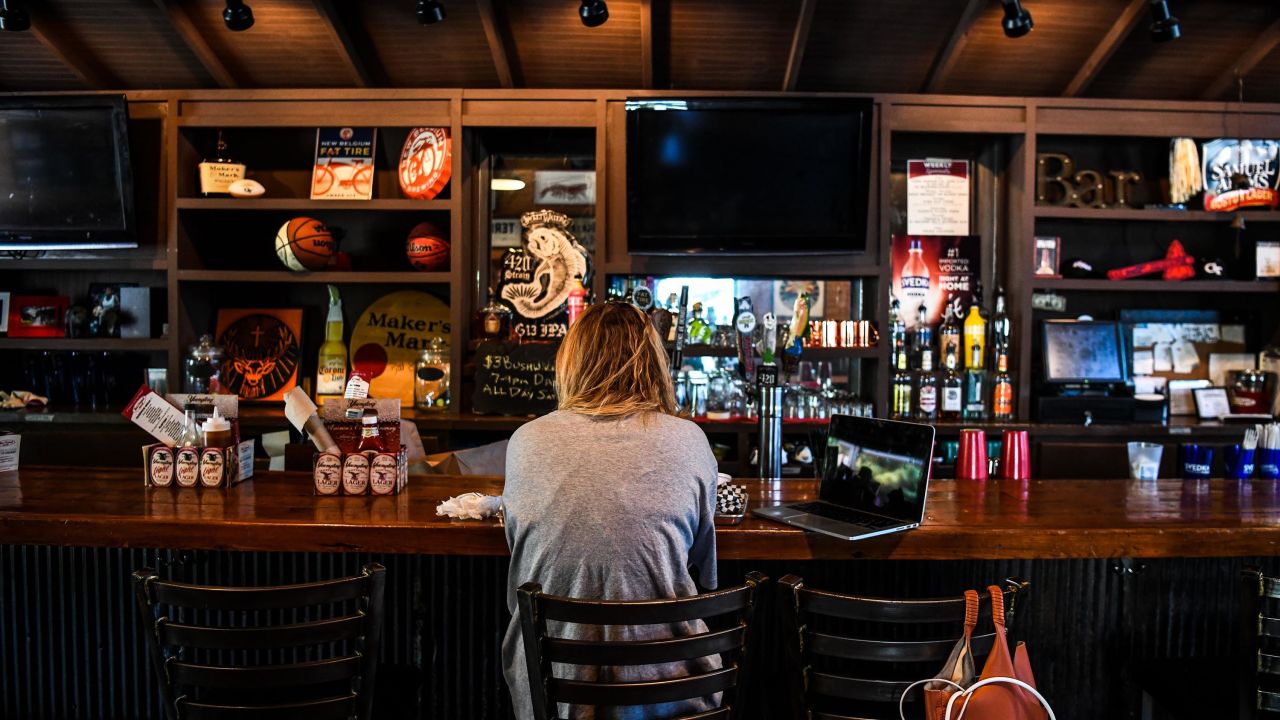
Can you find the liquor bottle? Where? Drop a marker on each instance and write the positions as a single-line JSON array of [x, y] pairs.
[[699, 333], [915, 276], [949, 333], [975, 336], [952, 390], [493, 321], [1001, 327], [218, 172], [927, 389], [331, 364], [975, 387], [1002, 390], [897, 331], [577, 299], [370, 438], [902, 406], [923, 349]]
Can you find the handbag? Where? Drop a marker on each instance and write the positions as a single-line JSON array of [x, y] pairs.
[[1004, 691]]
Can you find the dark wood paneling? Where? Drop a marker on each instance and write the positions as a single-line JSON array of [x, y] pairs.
[[731, 45], [1213, 36], [555, 49], [876, 46], [448, 54], [26, 64], [133, 41]]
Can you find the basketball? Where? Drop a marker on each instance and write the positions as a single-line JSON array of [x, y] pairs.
[[426, 248], [304, 244]]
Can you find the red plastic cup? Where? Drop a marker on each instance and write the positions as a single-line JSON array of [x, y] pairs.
[[971, 461], [1015, 455]]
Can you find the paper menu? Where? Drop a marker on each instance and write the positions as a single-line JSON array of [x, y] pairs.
[[937, 197]]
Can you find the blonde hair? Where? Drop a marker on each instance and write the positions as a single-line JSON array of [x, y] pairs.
[[612, 364]]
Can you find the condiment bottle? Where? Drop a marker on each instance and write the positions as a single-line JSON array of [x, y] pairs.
[[577, 299], [370, 438], [217, 431]]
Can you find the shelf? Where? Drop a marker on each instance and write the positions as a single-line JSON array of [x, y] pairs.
[[871, 353], [1152, 214], [307, 204], [336, 278], [120, 260], [103, 344], [1185, 286]]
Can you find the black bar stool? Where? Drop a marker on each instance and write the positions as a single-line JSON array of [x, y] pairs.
[[853, 657], [305, 651], [1259, 643], [730, 643]]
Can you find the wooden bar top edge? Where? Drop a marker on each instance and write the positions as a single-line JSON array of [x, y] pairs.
[[996, 520]]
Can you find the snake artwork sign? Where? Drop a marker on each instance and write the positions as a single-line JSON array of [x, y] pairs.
[[535, 279]]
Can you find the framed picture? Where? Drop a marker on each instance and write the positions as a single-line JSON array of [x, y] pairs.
[[564, 187], [37, 315], [1211, 402], [262, 349], [1048, 250]]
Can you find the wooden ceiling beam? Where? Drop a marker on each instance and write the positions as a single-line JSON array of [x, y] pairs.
[[1258, 50], [799, 39], [338, 32], [49, 29], [499, 39], [1116, 35], [945, 63], [195, 42]]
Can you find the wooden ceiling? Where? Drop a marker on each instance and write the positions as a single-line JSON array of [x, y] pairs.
[[1086, 48]]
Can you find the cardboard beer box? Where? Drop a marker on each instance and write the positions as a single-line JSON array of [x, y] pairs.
[[164, 466], [368, 473], [342, 416]]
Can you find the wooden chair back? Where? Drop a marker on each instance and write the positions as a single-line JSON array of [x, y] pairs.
[[730, 642], [306, 651], [1260, 645], [853, 657]]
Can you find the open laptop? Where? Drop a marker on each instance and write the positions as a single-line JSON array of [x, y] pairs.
[[874, 483]]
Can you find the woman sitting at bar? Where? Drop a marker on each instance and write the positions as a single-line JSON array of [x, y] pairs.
[[610, 497]]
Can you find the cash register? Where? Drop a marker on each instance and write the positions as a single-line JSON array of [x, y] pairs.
[[1085, 373]]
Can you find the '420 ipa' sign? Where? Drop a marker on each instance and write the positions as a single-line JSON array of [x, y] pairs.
[[535, 280], [515, 379]]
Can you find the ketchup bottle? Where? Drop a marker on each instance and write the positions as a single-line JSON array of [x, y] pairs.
[[370, 438], [577, 299]]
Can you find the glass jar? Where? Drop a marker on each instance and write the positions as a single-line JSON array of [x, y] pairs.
[[698, 393], [493, 321], [200, 373], [431, 377], [1248, 393], [719, 398]]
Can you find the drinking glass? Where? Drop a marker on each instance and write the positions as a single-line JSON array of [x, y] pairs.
[[825, 374], [1144, 460]]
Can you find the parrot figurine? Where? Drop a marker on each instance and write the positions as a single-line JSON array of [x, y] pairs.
[[799, 324]]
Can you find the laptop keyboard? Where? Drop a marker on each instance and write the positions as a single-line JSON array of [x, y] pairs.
[[835, 512]]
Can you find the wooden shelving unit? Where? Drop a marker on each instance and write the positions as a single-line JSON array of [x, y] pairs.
[[1150, 214], [301, 204], [85, 344], [1160, 286], [285, 276]]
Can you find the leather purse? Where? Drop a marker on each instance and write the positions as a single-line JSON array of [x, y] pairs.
[[959, 670]]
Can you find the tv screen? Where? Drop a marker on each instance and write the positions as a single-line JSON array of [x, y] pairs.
[[1084, 351], [65, 178], [744, 176]]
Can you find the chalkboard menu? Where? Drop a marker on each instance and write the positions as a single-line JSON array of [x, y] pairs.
[[514, 379]]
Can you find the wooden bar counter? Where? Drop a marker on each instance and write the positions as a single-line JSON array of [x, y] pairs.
[[276, 511]]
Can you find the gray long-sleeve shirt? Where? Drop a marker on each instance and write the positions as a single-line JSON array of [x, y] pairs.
[[609, 510]]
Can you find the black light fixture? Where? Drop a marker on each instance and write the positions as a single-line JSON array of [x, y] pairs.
[[237, 16], [430, 12], [593, 12], [1017, 21], [1164, 26], [13, 16]]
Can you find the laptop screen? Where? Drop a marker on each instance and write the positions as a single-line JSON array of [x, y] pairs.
[[878, 466]]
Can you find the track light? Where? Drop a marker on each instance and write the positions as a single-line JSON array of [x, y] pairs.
[[1017, 21], [430, 12], [237, 16], [13, 16], [593, 12], [1164, 26]]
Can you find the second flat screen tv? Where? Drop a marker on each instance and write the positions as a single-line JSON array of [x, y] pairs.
[[748, 177]]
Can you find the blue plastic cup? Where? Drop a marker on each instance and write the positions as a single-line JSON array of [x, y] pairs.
[[1268, 463], [1197, 462], [1239, 462]]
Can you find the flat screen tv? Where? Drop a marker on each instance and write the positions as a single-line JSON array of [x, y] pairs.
[[65, 177], [747, 176]]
